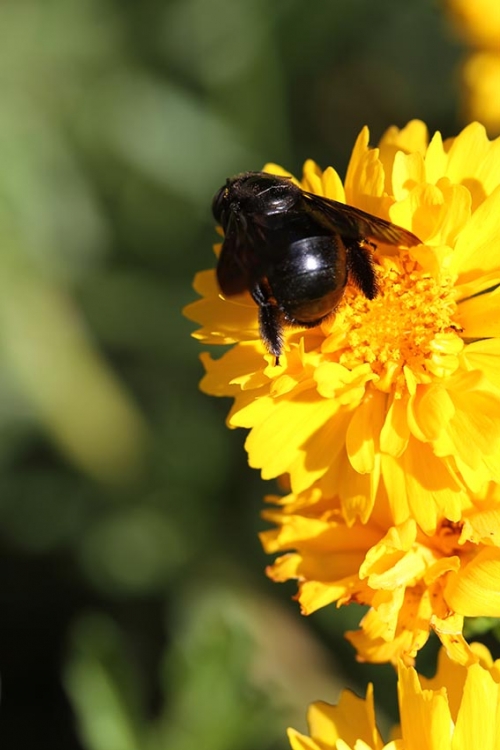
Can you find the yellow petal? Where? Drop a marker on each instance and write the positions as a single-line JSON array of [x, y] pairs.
[[478, 718], [395, 432], [273, 443], [480, 316], [467, 161], [240, 363], [476, 249], [352, 719], [435, 159], [408, 171], [449, 674], [240, 311], [413, 137], [312, 178], [314, 595], [364, 183], [333, 187], [455, 213], [482, 527], [419, 474], [364, 430], [485, 357], [322, 456], [429, 412], [278, 170], [474, 429], [421, 211], [425, 716], [475, 590], [301, 741], [358, 491]]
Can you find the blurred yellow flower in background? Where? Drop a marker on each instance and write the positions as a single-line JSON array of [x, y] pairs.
[[397, 398], [478, 22], [481, 81], [458, 709], [413, 583]]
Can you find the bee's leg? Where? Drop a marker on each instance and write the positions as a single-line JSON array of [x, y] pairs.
[[360, 267], [270, 317]]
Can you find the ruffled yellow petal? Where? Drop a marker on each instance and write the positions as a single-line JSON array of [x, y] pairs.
[[364, 183], [467, 154], [327, 184], [435, 159], [395, 433], [425, 715], [420, 473], [273, 444], [223, 376], [475, 592], [483, 526], [374, 648], [476, 249], [478, 718], [362, 437], [480, 316], [413, 138], [484, 356], [242, 322], [353, 719], [300, 741], [272, 168], [333, 187]]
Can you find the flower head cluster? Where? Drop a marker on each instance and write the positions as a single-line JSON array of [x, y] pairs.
[[386, 417], [413, 582], [458, 709], [401, 394]]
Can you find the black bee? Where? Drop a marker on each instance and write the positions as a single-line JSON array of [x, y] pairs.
[[294, 251]]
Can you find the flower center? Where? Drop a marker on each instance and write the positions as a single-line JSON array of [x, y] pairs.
[[409, 324]]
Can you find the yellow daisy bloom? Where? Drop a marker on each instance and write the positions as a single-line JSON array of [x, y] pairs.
[[398, 396], [458, 709], [412, 582]]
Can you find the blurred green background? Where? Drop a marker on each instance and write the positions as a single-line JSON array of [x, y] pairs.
[[135, 611]]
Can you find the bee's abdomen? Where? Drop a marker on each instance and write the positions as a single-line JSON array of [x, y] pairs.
[[310, 278]]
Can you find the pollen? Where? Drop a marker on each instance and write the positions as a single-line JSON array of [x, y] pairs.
[[411, 324]]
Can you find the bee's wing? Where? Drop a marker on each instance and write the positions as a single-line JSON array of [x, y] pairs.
[[356, 224], [236, 267]]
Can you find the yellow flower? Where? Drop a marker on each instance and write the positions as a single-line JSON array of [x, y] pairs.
[[458, 709], [478, 20], [412, 582], [400, 396], [481, 94]]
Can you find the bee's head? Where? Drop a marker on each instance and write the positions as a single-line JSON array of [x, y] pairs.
[[220, 204]]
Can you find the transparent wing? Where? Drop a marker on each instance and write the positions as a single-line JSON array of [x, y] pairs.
[[356, 224]]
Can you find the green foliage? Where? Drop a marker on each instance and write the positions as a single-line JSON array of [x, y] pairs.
[[207, 694]]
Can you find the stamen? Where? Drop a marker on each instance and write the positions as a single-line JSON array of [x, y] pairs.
[[409, 324]]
